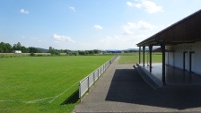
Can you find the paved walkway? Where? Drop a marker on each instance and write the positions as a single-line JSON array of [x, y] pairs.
[[121, 89]]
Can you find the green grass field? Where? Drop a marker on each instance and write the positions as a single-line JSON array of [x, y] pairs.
[[133, 58], [42, 84]]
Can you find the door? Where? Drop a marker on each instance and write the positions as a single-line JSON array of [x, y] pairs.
[[185, 61], [191, 62]]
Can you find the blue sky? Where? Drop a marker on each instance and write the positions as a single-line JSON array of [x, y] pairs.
[[88, 24]]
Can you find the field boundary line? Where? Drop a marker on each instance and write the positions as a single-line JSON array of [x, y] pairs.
[[12, 101], [27, 102], [38, 100], [55, 97]]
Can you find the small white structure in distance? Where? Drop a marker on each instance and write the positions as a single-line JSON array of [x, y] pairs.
[[18, 51]]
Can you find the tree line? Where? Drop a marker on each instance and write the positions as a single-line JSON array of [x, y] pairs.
[[8, 48], [73, 53]]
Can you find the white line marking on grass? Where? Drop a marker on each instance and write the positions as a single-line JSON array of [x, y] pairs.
[[16, 101], [55, 97], [28, 102], [39, 100], [9, 101]]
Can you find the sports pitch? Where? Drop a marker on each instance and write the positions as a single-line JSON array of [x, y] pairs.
[[42, 84], [132, 58]]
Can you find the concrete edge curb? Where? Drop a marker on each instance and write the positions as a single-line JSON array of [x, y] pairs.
[[149, 78]]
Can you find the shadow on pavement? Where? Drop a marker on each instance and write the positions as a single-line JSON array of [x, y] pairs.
[[128, 86]]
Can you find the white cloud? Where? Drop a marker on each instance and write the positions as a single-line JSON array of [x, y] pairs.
[[98, 27], [61, 38], [149, 6], [130, 27], [23, 11], [121, 41], [115, 42], [108, 42], [127, 31], [129, 4], [110, 39], [138, 5], [72, 8]]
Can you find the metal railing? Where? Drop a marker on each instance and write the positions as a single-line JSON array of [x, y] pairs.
[[88, 81]]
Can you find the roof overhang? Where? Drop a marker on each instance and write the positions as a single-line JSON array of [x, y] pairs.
[[187, 30]]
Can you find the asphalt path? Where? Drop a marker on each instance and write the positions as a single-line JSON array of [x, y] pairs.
[[122, 89]]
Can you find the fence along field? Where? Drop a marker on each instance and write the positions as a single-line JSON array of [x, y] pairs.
[[88, 81], [41, 84]]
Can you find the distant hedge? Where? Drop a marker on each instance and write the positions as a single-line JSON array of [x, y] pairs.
[[7, 55]]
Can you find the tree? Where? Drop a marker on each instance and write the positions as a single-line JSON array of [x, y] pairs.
[[33, 50], [87, 52], [51, 50], [17, 46], [82, 52], [54, 51], [96, 51], [8, 48], [91, 52], [24, 49], [5, 47]]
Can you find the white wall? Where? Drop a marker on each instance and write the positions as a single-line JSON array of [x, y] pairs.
[[176, 58], [197, 57], [170, 58]]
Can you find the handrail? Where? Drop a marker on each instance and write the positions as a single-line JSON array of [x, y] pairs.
[[88, 81]]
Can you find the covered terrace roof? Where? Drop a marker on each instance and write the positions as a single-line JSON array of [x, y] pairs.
[[187, 30]]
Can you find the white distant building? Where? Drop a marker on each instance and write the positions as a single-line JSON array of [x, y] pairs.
[[18, 51]]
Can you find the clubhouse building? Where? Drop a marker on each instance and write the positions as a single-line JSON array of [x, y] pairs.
[[180, 45]]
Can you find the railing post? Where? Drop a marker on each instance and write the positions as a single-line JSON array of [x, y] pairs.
[[98, 73], [105, 68], [80, 92], [88, 83], [101, 69], [94, 77]]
